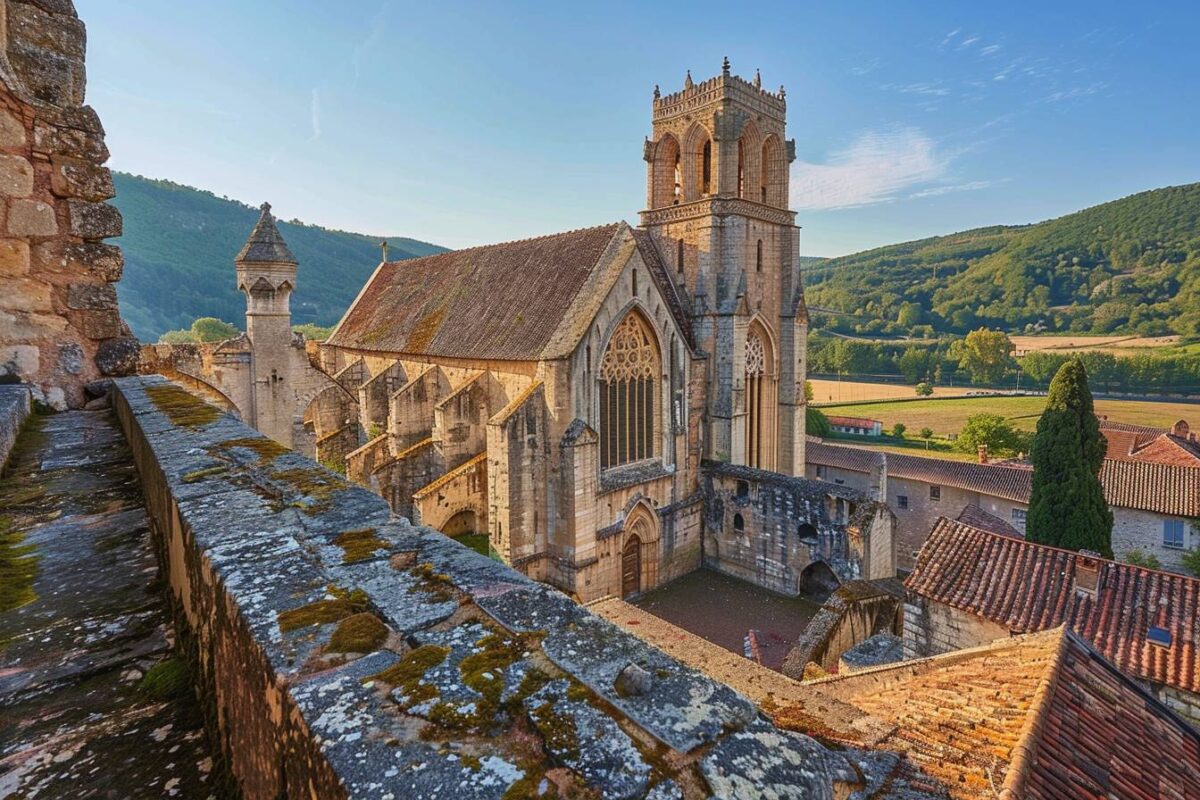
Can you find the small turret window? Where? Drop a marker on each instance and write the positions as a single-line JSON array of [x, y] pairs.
[[679, 258], [758, 258]]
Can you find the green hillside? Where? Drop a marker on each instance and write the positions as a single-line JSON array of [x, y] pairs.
[[179, 246], [1129, 266]]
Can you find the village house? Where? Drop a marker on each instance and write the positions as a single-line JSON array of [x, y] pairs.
[[971, 586], [856, 426], [1151, 478]]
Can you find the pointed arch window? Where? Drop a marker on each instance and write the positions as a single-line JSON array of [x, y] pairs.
[[706, 168], [679, 258], [760, 400], [628, 403], [741, 176], [758, 257]]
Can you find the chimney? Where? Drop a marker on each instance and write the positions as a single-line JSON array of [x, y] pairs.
[[983, 455], [1087, 573], [1181, 429]]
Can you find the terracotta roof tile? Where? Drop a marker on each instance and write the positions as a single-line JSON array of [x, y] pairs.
[[855, 459], [976, 517], [1029, 587]]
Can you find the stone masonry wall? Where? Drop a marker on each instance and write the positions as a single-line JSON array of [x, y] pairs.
[[931, 628], [345, 654], [59, 323]]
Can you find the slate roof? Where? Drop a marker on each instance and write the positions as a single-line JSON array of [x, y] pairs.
[[502, 301], [266, 244], [1027, 587], [1161, 488]]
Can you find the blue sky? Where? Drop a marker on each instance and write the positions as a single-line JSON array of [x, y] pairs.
[[463, 123]]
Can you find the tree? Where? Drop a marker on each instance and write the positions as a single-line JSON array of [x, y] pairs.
[[312, 331], [211, 329], [927, 435], [816, 423], [924, 389], [985, 355], [994, 432], [1067, 507], [898, 430], [808, 391], [915, 363]]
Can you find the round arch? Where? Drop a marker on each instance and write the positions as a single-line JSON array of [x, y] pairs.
[[699, 178], [818, 580], [463, 522], [201, 387], [667, 173], [773, 173], [749, 155]]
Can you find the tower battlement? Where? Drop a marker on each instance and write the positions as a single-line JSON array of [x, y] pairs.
[[721, 88]]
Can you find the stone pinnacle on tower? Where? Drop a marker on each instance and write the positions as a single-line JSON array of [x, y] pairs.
[[725, 67], [657, 93], [687, 82], [757, 79], [265, 243]]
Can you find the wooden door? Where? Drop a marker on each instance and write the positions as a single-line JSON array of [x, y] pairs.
[[631, 567]]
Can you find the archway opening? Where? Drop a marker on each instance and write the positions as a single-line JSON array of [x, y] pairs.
[[818, 581], [631, 567], [807, 533]]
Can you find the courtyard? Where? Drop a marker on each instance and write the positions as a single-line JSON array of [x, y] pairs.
[[723, 610]]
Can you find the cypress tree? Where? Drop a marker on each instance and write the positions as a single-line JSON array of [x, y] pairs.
[[1067, 508]]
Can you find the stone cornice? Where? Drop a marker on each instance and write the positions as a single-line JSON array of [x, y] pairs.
[[718, 207], [714, 90]]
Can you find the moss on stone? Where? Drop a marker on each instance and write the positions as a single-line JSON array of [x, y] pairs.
[[266, 449], [344, 603], [181, 407], [407, 674], [13, 494], [166, 680], [200, 474], [558, 731], [314, 483], [18, 567], [436, 583], [359, 633], [359, 545]]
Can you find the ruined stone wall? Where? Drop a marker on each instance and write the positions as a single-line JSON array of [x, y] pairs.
[[931, 628], [854, 613], [787, 526], [59, 323], [268, 557]]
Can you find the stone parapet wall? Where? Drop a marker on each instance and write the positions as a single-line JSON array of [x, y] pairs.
[[344, 653], [14, 410], [59, 323]]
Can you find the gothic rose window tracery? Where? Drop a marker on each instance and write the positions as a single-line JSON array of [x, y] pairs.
[[756, 356], [627, 394]]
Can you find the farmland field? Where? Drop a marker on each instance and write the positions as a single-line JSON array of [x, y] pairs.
[[859, 391], [947, 416]]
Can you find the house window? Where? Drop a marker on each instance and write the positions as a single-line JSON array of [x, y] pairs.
[[739, 524], [1173, 533], [627, 394], [902, 501], [743, 489], [935, 493], [1018, 518], [820, 471]]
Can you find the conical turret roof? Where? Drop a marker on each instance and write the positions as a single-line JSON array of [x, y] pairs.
[[266, 244]]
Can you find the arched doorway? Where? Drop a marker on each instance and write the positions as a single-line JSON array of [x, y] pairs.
[[463, 523], [631, 567]]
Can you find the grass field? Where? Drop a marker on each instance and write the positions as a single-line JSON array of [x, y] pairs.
[[945, 417], [858, 391]]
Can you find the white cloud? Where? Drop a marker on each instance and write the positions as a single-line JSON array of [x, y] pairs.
[[991, 48], [875, 168], [965, 43], [315, 111], [970, 186], [950, 37], [929, 89]]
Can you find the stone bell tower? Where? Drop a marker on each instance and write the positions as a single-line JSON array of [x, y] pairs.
[[717, 207], [266, 274]]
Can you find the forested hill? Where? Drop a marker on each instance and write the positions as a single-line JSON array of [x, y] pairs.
[[179, 246], [1129, 266]]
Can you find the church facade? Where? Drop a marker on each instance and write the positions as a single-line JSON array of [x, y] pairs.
[[569, 395]]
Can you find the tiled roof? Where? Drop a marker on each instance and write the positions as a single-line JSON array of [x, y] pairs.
[[1159, 488], [266, 244], [1102, 736], [854, 422], [976, 517], [502, 301], [1026, 586], [1151, 445]]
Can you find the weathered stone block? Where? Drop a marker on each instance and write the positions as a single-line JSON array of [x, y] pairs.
[[14, 258], [19, 326], [31, 218], [105, 261], [27, 295], [74, 178], [12, 130], [16, 176], [71, 140], [60, 32], [52, 78], [99, 323], [51, 6], [70, 358], [118, 356], [92, 296], [21, 360], [94, 220]]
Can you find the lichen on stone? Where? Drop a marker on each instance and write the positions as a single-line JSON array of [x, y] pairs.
[[18, 567], [198, 475], [266, 449], [166, 680], [359, 545], [359, 633], [314, 483], [180, 406], [406, 676], [341, 604]]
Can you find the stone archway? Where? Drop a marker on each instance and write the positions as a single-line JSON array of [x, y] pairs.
[[818, 580], [631, 567], [463, 523]]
